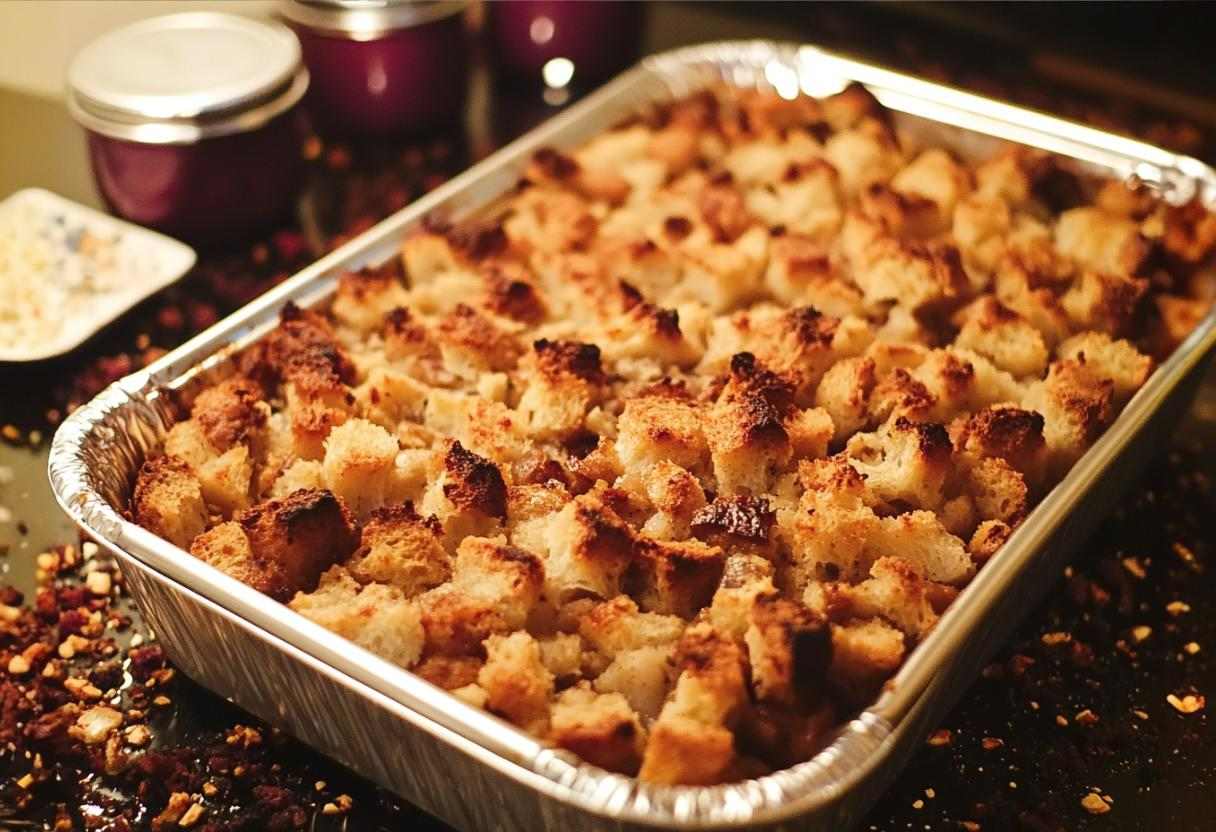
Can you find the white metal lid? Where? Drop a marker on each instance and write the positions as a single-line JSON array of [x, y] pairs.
[[182, 77], [365, 19]]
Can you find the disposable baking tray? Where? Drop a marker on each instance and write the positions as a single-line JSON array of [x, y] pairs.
[[472, 769]]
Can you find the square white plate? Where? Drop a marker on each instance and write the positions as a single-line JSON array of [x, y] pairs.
[[67, 270]]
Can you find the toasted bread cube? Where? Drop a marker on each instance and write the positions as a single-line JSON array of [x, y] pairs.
[[1002, 336], [373, 616], [844, 392], [469, 496], [1008, 433], [601, 728], [589, 548], [865, 653], [457, 624], [919, 538], [1018, 288], [359, 458], [862, 156], [562, 380], [188, 442], [641, 675], [810, 431], [904, 462], [562, 654], [472, 343], [168, 500], [746, 432], [660, 428], [960, 380], [988, 539], [828, 535], [303, 473], [806, 200], [388, 398], [510, 579], [1104, 302], [980, 227], [676, 496], [401, 549], [674, 577], [1118, 361], [789, 648], [305, 533], [724, 276], [896, 590], [689, 741], [364, 298], [231, 412], [887, 269], [801, 273], [745, 578], [934, 175], [615, 626], [682, 751], [530, 508], [1076, 406], [998, 490], [227, 549], [1100, 241], [517, 683], [227, 480]]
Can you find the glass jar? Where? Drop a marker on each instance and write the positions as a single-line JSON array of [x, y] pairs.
[[382, 66], [192, 121]]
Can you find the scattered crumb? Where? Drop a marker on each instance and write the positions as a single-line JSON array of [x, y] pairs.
[[1188, 704], [1094, 804]]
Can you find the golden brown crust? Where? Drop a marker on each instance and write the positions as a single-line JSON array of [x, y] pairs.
[[304, 533], [474, 483]]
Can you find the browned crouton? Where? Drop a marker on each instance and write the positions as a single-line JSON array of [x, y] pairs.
[[1076, 406], [674, 577], [690, 742], [373, 616], [789, 648], [988, 539], [168, 500], [864, 655], [1006, 432], [304, 533], [358, 465], [1002, 336], [904, 463], [589, 548], [364, 298], [508, 578], [744, 579], [1104, 302], [844, 392], [660, 428], [601, 728], [1120, 362], [227, 549], [231, 412], [516, 681], [746, 431], [401, 549]]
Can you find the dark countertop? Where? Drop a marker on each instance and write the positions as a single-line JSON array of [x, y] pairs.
[[1050, 721]]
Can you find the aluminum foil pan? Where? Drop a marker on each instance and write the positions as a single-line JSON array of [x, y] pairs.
[[472, 769]]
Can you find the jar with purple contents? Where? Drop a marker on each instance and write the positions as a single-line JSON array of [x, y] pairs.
[[382, 66], [192, 122]]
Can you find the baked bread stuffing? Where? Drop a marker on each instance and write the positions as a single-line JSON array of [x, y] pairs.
[[672, 457]]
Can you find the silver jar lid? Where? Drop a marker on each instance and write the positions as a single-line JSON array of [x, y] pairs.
[[180, 78], [366, 19]]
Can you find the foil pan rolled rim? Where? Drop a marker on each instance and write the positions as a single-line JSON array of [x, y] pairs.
[[99, 446]]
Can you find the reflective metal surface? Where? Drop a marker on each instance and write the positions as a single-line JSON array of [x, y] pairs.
[[473, 769]]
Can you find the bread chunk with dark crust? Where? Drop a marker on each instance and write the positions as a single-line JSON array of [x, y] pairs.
[[304, 533], [400, 548], [168, 500]]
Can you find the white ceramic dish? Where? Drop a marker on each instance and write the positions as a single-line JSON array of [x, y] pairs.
[[71, 270]]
